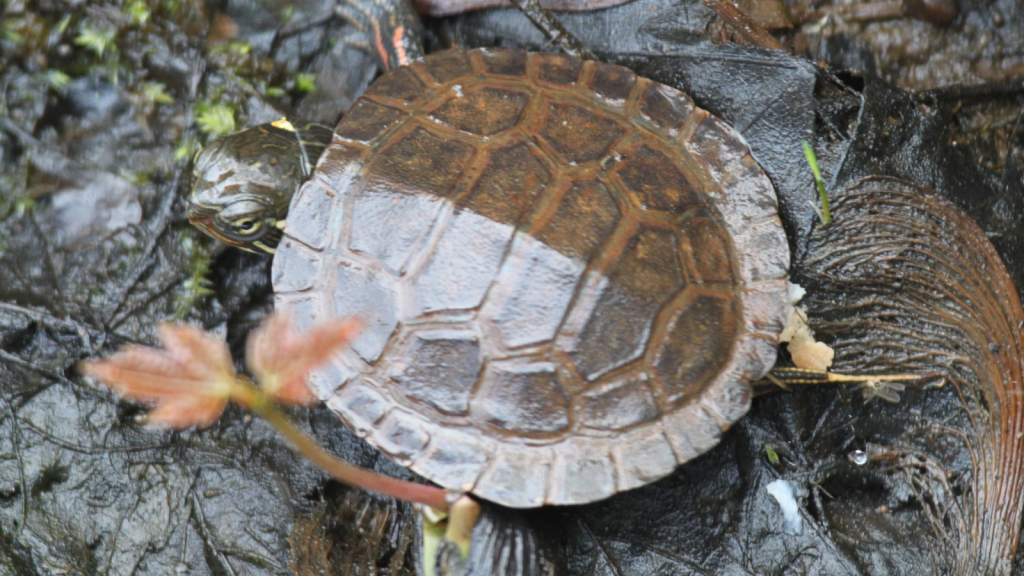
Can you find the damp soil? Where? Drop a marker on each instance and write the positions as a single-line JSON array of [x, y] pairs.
[[103, 104]]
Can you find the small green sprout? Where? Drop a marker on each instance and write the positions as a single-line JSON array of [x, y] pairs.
[[96, 39], [198, 285], [305, 82], [826, 213], [216, 119], [138, 11], [156, 93], [23, 205], [773, 456], [232, 47], [57, 80], [62, 25], [274, 92], [11, 34], [185, 150]]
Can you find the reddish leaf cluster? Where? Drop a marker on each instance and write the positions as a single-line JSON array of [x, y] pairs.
[[190, 380], [280, 357]]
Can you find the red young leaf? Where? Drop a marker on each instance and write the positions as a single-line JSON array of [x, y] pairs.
[[281, 358], [189, 380]]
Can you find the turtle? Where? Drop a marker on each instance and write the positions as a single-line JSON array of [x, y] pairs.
[[569, 275]]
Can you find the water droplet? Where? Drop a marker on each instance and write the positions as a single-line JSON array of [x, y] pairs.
[[859, 457]]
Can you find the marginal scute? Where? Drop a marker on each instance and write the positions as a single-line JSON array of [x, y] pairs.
[[484, 111], [439, 367], [719, 149], [402, 436], [763, 306], [337, 163], [698, 342], [370, 296], [657, 181], [578, 134], [612, 83], [360, 405], [304, 307], [504, 62], [328, 377], [448, 65], [762, 250], [665, 107], [584, 473], [643, 456], [556, 68], [517, 478], [524, 397], [453, 458], [748, 198], [613, 328], [691, 431], [401, 84]]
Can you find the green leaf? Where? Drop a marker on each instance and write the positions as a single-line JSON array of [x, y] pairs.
[[57, 80], [138, 11], [216, 119], [773, 457], [305, 82], [10, 34], [156, 92], [274, 92], [62, 25], [184, 150], [812, 161], [96, 39]]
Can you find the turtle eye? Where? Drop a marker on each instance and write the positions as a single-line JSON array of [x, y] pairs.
[[246, 225]]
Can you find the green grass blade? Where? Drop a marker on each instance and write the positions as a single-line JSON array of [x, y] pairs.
[[812, 161]]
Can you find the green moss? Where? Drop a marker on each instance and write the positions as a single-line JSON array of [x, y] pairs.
[[215, 119]]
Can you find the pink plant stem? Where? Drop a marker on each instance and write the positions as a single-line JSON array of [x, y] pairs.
[[255, 400]]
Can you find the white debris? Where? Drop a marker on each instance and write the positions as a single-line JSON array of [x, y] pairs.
[[458, 90], [782, 491], [803, 349]]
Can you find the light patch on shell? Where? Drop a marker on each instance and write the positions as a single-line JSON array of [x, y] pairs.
[[785, 495], [283, 124], [806, 352]]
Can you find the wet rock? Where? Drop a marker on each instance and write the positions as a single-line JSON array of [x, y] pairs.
[[94, 208]]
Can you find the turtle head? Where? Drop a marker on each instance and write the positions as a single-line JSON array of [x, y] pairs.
[[243, 183]]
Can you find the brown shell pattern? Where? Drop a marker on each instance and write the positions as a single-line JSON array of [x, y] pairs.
[[570, 274]]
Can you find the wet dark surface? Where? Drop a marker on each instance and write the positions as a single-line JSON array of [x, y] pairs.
[[94, 250]]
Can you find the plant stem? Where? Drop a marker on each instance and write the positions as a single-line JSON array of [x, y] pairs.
[[255, 400], [812, 160]]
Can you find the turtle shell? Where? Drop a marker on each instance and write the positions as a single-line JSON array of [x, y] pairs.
[[569, 274]]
